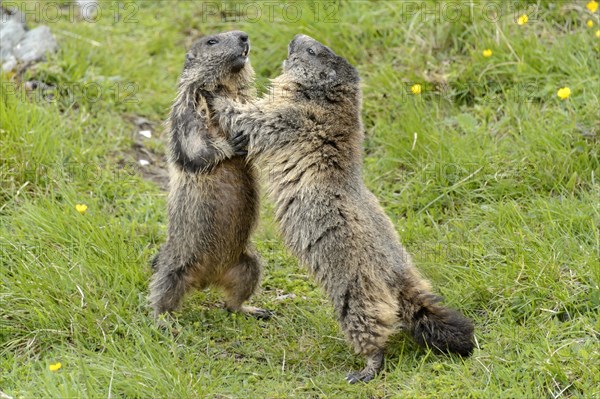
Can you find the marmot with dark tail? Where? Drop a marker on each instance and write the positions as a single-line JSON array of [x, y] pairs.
[[213, 197], [308, 132]]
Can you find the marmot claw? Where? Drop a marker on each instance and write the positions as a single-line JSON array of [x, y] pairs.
[[239, 142]]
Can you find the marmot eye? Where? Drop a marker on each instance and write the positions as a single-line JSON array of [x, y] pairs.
[[212, 42], [310, 51]]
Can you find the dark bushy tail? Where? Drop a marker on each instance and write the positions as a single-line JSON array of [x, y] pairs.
[[442, 329]]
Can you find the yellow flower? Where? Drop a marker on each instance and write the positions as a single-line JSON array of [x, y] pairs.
[[592, 6], [487, 52], [589, 23], [564, 93], [523, 19], [81, 208], [55, 366], [416, 89], [598, 33]]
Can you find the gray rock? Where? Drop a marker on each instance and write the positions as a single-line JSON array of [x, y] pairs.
[[9, 63], [34, 46], [5, 53], [11, 32], [8, 13], [88, 9]]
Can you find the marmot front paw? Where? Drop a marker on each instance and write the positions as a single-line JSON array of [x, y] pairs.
[[239, 141]]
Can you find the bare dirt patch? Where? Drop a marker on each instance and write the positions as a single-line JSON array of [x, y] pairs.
[[150, 163]]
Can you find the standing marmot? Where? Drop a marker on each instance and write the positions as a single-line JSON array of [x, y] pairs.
[[308, 132], [213, 199]]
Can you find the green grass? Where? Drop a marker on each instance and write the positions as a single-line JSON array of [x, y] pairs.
[[492, 181]]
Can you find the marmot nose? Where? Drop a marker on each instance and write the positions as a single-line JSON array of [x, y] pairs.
[[243, 37]]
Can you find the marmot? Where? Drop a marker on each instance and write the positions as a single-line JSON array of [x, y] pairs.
[[308, 132], [213, 197]]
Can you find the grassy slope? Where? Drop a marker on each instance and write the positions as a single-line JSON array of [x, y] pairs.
[[491, 180]]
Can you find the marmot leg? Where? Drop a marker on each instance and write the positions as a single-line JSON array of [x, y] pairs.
[[239, 283], [373, 367], [368, 334], [168, 284]]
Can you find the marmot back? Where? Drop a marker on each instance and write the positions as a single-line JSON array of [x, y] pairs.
[[213, 199], [308, 132]]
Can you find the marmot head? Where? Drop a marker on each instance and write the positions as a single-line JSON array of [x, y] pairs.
[[220, 59], [317, 70]]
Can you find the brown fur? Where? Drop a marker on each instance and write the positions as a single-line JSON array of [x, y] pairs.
[[212, 203], [307, 133]]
